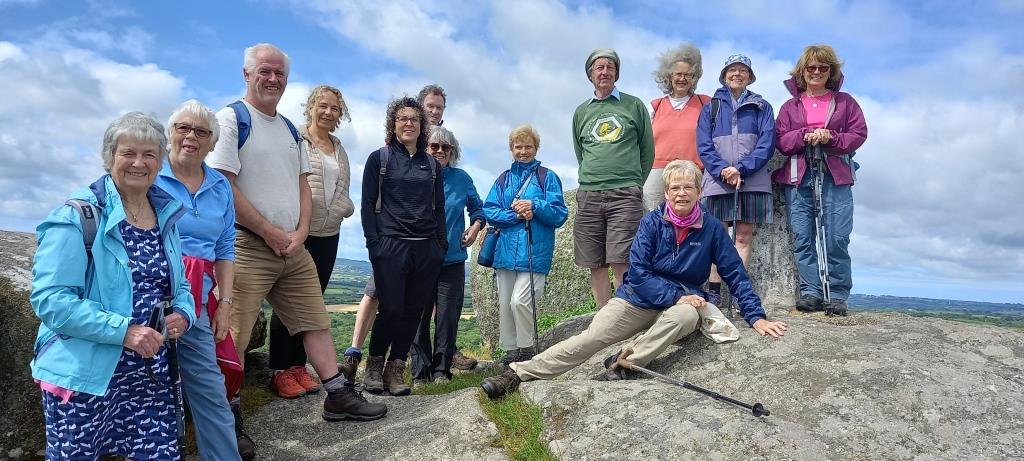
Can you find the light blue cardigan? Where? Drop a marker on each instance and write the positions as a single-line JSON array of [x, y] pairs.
[[86, 316]]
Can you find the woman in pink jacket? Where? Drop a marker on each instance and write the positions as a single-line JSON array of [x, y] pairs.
[[820, 115]]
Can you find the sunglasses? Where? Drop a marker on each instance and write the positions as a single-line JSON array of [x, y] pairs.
[[822, 69], [183, 129], [436, 146]]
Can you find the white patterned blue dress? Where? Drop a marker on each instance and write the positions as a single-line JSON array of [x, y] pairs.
[[135, 418]]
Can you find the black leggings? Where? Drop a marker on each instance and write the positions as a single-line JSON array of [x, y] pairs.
[[406, 275], [428, 358], [287, 351]]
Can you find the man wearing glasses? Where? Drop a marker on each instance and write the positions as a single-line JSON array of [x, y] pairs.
[[267, 167], [614, 146]]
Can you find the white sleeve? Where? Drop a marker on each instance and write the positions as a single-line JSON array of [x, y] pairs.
[[225, 154]]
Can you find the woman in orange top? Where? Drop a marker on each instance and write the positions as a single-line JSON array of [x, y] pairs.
[[674, 116]]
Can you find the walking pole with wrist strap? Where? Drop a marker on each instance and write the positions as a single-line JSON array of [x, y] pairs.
[[533, 297], [735, 221], [820, 238]]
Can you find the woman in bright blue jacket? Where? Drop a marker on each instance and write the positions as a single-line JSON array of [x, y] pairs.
[[525, 199], [100, 355]]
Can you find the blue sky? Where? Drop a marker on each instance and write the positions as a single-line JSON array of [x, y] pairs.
[[937, 196]]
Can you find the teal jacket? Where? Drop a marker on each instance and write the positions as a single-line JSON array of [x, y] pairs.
[[85, 313]]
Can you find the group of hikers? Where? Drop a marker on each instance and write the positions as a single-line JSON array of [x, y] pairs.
[[148, 282]]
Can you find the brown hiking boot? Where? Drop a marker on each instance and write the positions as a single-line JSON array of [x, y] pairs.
[[349, 365], [461, 362], [373, 380], [348, 403], [499, 386], [394, 381]]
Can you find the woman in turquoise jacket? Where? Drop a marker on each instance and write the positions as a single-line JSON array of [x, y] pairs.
[[108, 303], [527, 194]]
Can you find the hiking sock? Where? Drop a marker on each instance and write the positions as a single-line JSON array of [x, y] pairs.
[[335, 383]]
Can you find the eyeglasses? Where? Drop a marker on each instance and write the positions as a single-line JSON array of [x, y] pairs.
[[689, 190], [822, 69], [404, 120], [183, 129], [436, 146], [685, 75]]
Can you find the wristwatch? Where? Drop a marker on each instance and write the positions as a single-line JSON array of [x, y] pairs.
[[227, 300]]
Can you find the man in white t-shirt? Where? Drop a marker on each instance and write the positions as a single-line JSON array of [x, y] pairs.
[[273, 206]]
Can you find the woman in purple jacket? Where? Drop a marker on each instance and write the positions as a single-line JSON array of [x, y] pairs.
[[820, 115]]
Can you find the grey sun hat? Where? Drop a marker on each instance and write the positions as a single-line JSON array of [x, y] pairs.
[[603, 53], [733, 60]]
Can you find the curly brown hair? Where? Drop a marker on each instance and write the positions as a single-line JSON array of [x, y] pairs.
[[389, 121]]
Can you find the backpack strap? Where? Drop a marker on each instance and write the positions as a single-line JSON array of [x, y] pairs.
[[433, 178], [88, 214], [382, 157], [715, 106], [244, 121]]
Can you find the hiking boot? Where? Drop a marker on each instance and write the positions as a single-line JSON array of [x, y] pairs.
[[611, 360], [373, 380], [246, 447], [526, 353], [713, 297], [838, 307], [808, 303], [348, 403], [461, 362], [501, 385], [349, 365], [286, 386], [302, 376], [394, 381], [440, 378], [510, 357]]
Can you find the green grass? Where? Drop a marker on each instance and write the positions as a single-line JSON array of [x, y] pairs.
[[546, 322], [519, 426]]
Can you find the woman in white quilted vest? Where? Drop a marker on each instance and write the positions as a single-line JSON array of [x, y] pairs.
[[329, 181]]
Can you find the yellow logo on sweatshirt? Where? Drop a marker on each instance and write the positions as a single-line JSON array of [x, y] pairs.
[[607, 129]]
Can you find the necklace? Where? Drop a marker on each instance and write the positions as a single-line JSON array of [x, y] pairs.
[[134, 215], [821, 98]]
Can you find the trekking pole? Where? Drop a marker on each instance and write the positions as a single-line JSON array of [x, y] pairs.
[[172, 370], [533, 298], [735, 221], [756, 409], [820, 240]]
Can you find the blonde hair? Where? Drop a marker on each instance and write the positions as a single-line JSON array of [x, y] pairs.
[[682, 168], [823, 54], [523, 133], [314, 96]]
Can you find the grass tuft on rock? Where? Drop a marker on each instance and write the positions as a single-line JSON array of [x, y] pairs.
[[519, 426]]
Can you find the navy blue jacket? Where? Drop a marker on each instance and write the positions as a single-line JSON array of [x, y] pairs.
[[660, 272]]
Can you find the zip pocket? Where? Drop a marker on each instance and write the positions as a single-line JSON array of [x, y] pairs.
[[46, 345]]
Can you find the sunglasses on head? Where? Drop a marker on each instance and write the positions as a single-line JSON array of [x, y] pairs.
[[436, 146]]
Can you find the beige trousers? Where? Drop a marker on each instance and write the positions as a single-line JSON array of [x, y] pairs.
[[616, 321], [515, 313]]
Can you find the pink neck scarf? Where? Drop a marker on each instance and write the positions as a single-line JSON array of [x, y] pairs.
[[683, 221]]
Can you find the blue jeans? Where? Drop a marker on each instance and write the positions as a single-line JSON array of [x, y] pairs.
[[203, 386], [838, 221]]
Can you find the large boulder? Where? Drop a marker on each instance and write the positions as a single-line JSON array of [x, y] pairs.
[[772, 272], [868, 386], [21, 426]]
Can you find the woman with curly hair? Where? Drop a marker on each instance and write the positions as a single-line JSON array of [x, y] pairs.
[[328, 181], [403, 208], [674, 116]]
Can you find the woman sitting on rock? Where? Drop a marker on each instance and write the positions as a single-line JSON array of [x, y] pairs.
[[671, 257]]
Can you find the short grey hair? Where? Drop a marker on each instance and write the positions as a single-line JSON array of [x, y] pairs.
[[196, 109], [684, 168], [135, 125], [688, 53], [441, 134], [249, 58]]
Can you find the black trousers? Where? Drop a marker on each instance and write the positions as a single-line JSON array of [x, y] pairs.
[[405, 272], [287, 351], [451, 291]]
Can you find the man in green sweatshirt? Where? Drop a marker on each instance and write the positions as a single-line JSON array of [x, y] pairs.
[[614, 146]]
